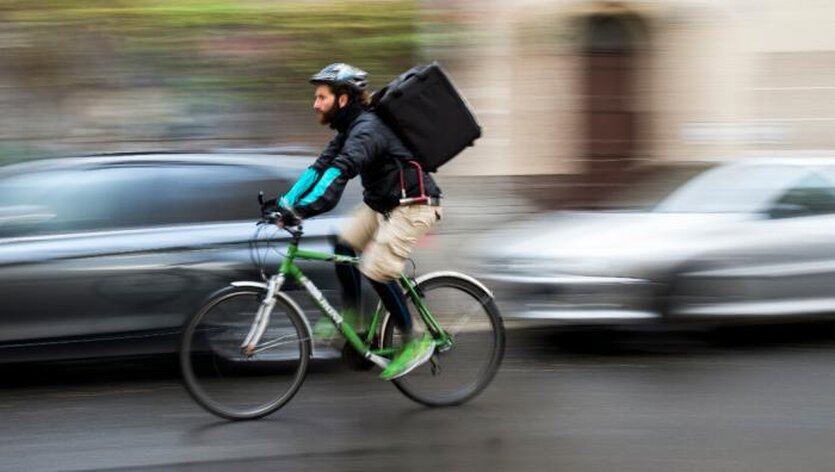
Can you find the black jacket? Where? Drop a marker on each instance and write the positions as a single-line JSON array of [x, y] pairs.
[[363, 146]]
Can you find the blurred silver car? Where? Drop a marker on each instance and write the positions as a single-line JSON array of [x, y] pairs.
[[107, 255], [749, 239]]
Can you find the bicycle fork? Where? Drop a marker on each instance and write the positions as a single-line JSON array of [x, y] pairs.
[[262, 317]]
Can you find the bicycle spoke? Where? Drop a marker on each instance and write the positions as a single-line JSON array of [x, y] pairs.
[[459, 323], [278, 342]]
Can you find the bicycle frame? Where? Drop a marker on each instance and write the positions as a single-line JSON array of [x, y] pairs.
[[289, 269]]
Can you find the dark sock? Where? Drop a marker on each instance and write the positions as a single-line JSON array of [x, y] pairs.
[[395, 302]]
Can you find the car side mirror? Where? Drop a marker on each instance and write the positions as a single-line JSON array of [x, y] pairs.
[[787, 210]]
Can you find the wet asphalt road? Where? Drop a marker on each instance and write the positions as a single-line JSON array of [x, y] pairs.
[[738, 400]]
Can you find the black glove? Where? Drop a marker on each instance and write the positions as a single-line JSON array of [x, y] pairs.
[[288, 218], [270, 205], [285, 216], [269, 209]]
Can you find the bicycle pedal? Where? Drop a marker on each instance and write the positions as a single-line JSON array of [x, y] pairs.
[[434, 366]]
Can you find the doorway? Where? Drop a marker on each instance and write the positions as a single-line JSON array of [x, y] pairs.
[[611, 53]]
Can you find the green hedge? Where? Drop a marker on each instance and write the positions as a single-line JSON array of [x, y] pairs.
[[254, 48]]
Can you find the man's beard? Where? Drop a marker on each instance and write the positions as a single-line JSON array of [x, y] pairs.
[[326, 118]]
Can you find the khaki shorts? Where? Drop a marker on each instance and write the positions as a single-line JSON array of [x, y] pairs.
[[386, 244]]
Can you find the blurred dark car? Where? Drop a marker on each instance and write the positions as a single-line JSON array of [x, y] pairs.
[[107, 255], [748, 240]]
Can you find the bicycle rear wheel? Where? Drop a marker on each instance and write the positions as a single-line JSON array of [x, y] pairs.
[[223, 380], [461, 371]]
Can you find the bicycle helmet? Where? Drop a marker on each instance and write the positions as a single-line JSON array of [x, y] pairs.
[[341, 74]]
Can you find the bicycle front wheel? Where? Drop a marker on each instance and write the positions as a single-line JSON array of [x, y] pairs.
[[225, 381], [459, 371]]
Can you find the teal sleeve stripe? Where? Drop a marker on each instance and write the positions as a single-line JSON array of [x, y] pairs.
[[322, 186], [307, 179]]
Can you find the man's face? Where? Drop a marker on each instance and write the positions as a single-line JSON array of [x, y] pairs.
[[325, 104]]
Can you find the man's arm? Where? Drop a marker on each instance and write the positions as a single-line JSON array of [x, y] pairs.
[[305, 182], [311, 175], [358, 149]]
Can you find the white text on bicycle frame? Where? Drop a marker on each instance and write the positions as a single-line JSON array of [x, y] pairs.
[[320, 299]]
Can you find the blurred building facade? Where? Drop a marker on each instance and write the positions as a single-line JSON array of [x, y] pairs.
[[563, 87], [591, 88]]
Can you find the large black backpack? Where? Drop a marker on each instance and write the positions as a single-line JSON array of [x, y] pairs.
[[428, 114]]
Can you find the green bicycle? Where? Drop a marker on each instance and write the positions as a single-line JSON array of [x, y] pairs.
[[245, 353]]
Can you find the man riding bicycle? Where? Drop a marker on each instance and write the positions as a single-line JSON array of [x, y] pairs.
[[381, 228]]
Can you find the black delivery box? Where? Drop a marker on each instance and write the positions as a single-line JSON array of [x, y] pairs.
[[430, 116]]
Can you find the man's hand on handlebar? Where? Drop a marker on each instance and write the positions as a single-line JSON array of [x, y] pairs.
[[287, 218], [272, 212]]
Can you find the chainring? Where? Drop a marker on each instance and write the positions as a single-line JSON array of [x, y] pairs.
[[354, 359]]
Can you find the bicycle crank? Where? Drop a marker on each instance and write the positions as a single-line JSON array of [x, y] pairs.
[[435, 366]]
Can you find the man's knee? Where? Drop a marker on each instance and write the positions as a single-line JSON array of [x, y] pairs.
[[382, 270]]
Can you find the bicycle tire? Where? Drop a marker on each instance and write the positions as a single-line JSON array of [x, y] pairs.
[[463, 299], [216, 373]]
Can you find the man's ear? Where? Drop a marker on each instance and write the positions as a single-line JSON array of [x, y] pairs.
[[342, 100]]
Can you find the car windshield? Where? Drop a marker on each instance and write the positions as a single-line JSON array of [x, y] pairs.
[[139, 195], [87, 199], [733, 189]]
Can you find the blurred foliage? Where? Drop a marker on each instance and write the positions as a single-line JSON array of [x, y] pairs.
[[111, 74], [256, 48]]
